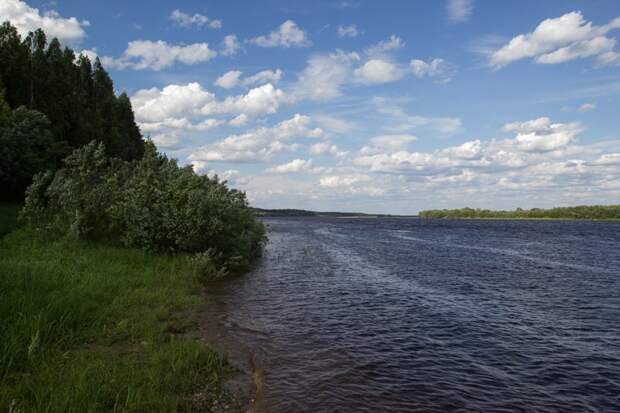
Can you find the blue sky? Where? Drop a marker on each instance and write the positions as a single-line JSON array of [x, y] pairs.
[[384, 107]]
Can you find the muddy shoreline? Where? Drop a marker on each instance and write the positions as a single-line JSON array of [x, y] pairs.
[[243, 389]]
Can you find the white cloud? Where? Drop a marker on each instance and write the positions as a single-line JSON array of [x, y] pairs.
[[339, 181], [153, 105], [335, 124], [229, 79], [149, 55], [173, 101], [578, 50], [326, 148], [232, 78], [348, 31], [586, 107], [540, 135], [239, 120], [558, 40], [609, 59], [324, 76], [287, 35], [26, 19], [296, 165], [198, 20], [387, 144], [378, 71], [261, 100], [535, 141], [260, 144], [167, 140], [393, 43], [436, 68], [265, 76], [230, 45], [180, 124], [459, 10]]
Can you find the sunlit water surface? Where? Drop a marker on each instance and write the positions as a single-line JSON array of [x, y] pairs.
[[411, 315]]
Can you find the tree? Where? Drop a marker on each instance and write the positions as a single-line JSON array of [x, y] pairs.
[[27, 146], [76, 96]]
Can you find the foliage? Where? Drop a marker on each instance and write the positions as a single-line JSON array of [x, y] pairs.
[[76, 96], [26, 147], [94, 328], [577, 212], [151, 203], [208, 265]]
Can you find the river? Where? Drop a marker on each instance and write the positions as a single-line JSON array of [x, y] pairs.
[[369, 315]]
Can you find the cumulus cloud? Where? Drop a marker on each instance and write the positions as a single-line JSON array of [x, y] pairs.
[[261, 100], [558, 40], [259, 144], [326, 148], [459, 10], [153, 105], [295, 166], [540, 135], [535, 141], [25, 19], [377, 71], [439, 69], [149, 55], [173, 101], [197, 20], [230, 45], [348, 31], [287, 35]]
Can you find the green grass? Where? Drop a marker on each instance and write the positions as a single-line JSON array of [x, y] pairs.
[[93, 328]]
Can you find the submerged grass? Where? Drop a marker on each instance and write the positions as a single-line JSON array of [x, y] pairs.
[[89, 328]]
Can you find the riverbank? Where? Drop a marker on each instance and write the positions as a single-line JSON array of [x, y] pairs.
[[89, 327], [580, 212]]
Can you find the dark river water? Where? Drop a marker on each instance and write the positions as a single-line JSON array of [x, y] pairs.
[[379, 315]]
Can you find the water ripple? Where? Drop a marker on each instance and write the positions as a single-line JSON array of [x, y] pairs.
[[372, 315]]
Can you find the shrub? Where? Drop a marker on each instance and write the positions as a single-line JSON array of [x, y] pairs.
[[208, 265], [151, 203]]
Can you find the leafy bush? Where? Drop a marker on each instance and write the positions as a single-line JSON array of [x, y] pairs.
[[151, 203], [208, 265]]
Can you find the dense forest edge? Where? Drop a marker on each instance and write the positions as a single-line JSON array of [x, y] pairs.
[[105, 246], [587, 212]]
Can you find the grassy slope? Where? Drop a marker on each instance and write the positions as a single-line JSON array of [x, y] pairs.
[[90, 328]]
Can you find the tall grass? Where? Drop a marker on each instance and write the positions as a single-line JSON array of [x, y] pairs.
[[89, 328]]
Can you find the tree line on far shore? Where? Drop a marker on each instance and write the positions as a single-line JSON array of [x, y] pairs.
[[576, 212]]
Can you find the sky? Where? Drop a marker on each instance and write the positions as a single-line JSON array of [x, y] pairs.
[[379, 107]]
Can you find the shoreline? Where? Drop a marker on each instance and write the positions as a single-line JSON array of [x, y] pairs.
[[243, 387]]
